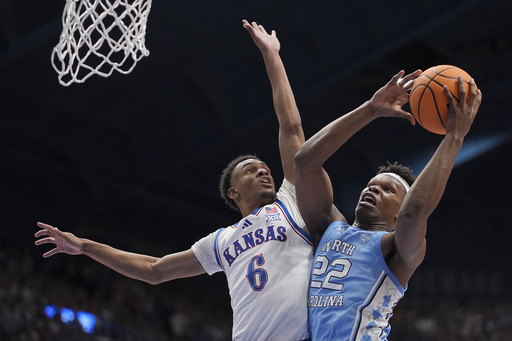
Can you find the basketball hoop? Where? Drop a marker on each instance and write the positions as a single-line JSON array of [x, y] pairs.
[[100, 36]]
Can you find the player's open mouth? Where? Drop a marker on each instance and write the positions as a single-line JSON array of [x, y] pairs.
[[265, 181], [368, 198]]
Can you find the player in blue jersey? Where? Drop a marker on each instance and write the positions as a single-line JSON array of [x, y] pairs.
[[266, 256], [361, 270]]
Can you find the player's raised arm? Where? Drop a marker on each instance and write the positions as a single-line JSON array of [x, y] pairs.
[[291, 135], [427, 190], [314, 190], [149, 269]]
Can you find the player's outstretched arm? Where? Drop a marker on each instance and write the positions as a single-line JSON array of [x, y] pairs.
[[428, 189], [149, 269], [291, 135], [314, 190]]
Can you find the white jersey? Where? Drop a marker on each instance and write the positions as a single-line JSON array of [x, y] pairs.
[[267, 258]]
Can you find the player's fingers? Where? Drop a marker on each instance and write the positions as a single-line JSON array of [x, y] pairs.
[[447, 93], [50, 253], [462, 90], [479, 95], [449, 96], [407, 79], [46, 240], [472, 87], [397, 77], [408, 116], [476, 96], [45, 226], [408, 85], [41, 233], [47, 230], [412, 75], [473, 90]]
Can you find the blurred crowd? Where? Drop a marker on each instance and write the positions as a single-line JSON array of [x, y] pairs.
[[125, 309], [193, 310]]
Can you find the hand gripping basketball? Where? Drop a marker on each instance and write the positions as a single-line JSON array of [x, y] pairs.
[[429, 104]]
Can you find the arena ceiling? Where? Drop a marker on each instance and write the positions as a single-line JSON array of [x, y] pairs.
[[134, 160]]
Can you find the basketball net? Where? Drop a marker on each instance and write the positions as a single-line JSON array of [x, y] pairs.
[[100, 36]]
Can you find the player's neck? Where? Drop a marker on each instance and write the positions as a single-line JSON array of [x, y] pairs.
[[372, 226], [248, 208]]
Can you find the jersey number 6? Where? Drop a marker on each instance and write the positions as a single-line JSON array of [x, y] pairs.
[[256, 275]]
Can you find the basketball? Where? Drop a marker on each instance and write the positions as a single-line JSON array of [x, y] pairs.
[[428, 102]]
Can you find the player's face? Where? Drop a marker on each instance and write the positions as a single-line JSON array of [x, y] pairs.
[[253, 182], [380, 202]]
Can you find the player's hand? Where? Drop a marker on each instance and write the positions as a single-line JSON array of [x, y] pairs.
[[388, 100], [462, 113], [264, 41], [65, 242]]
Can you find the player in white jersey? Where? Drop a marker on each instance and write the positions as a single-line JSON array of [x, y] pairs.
[[361, 271], [267, 259], [268, 266]]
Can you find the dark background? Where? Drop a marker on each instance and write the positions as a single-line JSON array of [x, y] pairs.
[[134, 160]]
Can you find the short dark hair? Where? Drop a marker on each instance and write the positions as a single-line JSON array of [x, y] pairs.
[[405, 172], [225, 179]]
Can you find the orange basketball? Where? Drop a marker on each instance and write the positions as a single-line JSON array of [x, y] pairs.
[[429, 104]]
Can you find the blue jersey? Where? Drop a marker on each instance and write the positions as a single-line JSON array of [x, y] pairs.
[[352, 291]]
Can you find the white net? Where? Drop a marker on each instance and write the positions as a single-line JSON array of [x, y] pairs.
[[100, 36]]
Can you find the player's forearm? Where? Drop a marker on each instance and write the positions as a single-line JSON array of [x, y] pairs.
[[132, 265], [421, 201], [428, 189], [329, 139], [291, 134], [314, 189], [282, 93]]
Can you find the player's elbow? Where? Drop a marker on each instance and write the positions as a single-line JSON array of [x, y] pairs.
[[151, 279], [299, 158], [292, 126], [414, 213], [303, 159], [153, 275]]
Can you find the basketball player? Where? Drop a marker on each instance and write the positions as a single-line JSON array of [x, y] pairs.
[[361, 271], [266, 256]]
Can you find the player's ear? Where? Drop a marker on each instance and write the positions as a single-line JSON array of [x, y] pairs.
[[232, 193]]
